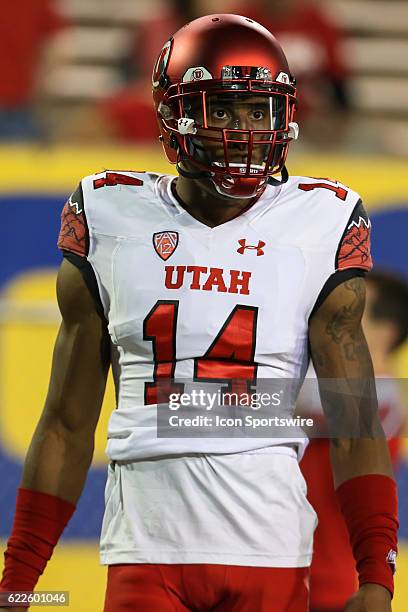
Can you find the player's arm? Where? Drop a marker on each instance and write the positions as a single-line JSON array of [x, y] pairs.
[[62, 446], [359, 453]]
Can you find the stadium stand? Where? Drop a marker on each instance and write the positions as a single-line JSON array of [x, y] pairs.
[[91, 53]]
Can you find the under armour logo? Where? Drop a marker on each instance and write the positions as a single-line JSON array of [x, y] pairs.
[[244, 245], [392, 559], [186, 126]]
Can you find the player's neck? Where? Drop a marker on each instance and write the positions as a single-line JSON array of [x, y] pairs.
[[205, 204]]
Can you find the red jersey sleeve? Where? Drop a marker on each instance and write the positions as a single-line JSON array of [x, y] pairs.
[[354, 250], [74, 236]]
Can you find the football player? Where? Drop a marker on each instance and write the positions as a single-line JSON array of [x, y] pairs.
[[221, 275]]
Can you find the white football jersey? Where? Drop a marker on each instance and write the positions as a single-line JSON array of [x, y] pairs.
[[186, 301]]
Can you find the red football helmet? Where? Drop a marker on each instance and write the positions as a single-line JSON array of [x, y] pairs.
[[214, 80]]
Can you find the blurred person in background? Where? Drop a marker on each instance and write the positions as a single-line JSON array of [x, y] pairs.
[[128, 115], [385, 324], [314, 45], [26, 31]]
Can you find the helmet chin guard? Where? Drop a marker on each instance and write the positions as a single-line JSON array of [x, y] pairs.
[[237, 186], [225, 103]]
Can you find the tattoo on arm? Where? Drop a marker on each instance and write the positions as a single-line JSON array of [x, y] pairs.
[[342, 322], [343, 363]]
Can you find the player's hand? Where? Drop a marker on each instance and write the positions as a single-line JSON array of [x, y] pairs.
[[370, 598]]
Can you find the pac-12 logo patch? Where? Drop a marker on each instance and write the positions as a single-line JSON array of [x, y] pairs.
[[165, 243]]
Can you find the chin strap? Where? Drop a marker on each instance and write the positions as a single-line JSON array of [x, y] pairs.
[[204, 174], [199, 174], [284, 179], [192, 175]]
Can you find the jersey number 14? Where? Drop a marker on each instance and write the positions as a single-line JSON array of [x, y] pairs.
[[229, 359]]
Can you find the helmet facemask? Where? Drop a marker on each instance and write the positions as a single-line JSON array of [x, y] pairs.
[[237, 130]]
